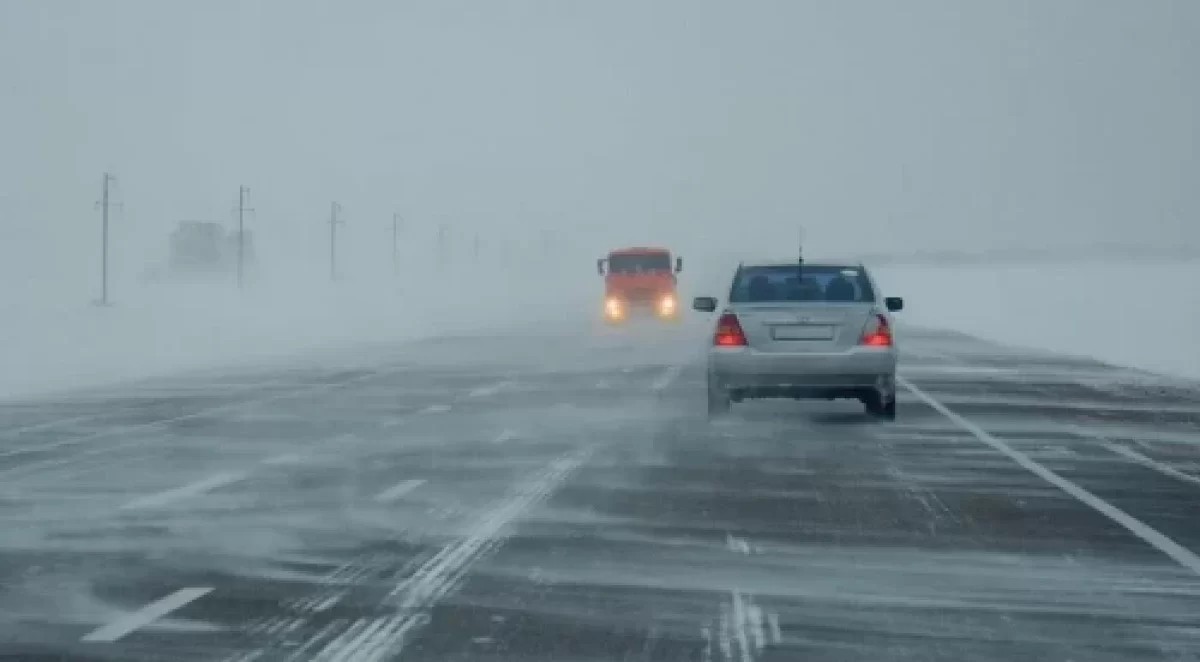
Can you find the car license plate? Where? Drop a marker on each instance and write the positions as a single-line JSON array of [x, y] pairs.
[[802, 332]]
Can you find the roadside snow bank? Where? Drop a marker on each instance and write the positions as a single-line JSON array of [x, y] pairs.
[[1127, 314]]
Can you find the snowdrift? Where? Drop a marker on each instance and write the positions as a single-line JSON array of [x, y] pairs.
[[1136, 315], [154, 329]]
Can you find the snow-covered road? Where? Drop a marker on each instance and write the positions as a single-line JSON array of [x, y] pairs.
[[561, 496]]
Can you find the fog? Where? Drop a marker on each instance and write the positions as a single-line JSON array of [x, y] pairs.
[[554, 132]]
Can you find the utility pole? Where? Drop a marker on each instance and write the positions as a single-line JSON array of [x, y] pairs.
[[243, 192], [105, 203], [334, 208]]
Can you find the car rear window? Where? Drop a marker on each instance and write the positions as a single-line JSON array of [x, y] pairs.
[[802, 283]]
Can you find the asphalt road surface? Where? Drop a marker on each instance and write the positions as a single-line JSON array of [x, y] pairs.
[[561, 496]]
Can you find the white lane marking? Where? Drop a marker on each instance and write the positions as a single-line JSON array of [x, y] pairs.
[[773, 624], [507, 435], [1181, 555], [346, 438], [283, 459], [144, 616], [391, 422], [491, 389], [740, 622], [410, 600], [192, 489], [755, 615], [1151, 463], [436, 409], [669, 375], [737, 544], [724, 639], [399, 489]]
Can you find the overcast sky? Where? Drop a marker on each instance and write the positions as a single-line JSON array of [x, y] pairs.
[[874, 125]]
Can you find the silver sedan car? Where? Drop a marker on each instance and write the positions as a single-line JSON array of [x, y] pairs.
[[803, 330]]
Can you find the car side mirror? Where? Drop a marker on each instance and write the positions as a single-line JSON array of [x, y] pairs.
[[894, 304], [600, 266], [704, 304], [678, 264]]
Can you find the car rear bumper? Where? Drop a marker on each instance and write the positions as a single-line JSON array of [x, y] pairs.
[[835, 374]]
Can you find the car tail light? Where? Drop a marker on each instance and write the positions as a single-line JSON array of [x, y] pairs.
[[878, 333], [729, 332]]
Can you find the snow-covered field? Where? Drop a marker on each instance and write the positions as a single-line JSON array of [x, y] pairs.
[[1135, 315], [49, 344], [1128, 314]]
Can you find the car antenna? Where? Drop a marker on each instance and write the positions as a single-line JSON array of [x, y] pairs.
[[800, 256]]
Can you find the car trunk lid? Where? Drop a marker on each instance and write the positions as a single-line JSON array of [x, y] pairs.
[[791, 327]]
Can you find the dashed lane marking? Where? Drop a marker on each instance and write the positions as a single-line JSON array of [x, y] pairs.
[[1151, 536], [491, 389], [398, 490], [436, 409], [144, 616], [737, 544], [192, 489], [741, 626], [506, 435]]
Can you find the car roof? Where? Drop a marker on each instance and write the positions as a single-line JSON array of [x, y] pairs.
[[857, 264]]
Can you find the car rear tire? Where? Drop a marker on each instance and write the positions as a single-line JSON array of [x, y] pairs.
[[877, 407], [719, 403], [888, 413]]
